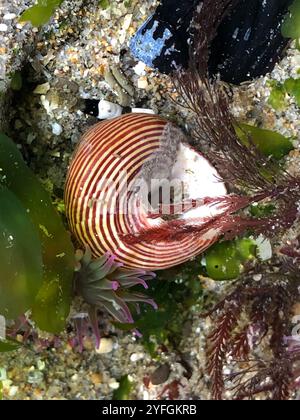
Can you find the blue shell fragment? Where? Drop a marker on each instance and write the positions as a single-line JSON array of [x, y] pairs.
[[144, 46]]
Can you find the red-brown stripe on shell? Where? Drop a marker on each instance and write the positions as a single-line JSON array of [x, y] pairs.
[[137, 150]]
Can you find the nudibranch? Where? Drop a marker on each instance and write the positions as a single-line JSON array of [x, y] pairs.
[[137, 173]]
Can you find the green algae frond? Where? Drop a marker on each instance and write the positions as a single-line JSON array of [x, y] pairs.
[[44, 235]]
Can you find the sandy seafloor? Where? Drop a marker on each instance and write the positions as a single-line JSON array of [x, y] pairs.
[[67, 60]]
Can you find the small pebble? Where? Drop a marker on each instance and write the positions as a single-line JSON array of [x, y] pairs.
[[136, 356], [106, 346], [113, 384], [140, 69], [9, 16], [41, 365], [142, 83], [18, 124], [35, 377], [96, 378], [13, 390], [57, 129], [161, 374], [42, 89], [3, 27]]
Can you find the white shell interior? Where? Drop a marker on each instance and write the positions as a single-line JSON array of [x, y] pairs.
[[197, 178], [200, 178]]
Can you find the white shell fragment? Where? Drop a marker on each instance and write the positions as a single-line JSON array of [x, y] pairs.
[[108, 110], [264, 248], [143, 111]]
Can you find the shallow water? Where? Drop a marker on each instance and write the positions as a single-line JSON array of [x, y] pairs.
[[53, 70]]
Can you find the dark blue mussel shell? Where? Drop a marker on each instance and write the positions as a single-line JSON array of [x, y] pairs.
[[161, 42], [248, 43]]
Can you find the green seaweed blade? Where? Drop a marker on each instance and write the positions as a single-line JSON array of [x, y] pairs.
[[53, 300], [21, 273], [268, 142], [291, 25]]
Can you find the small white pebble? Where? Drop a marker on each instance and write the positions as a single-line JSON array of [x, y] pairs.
[[3, 374], [106, 346], [114, 42], [257, 277], [13, 390], [127, 21], [146, 395], [56, 129], [9, 16], [113, 384], [140, 69], [41, 365], [136, 356], [142, 83], [3, 27]]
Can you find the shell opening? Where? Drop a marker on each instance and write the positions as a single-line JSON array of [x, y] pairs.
[[176, 174]]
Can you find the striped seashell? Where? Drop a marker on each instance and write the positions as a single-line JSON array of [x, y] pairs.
[[116, 172]]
